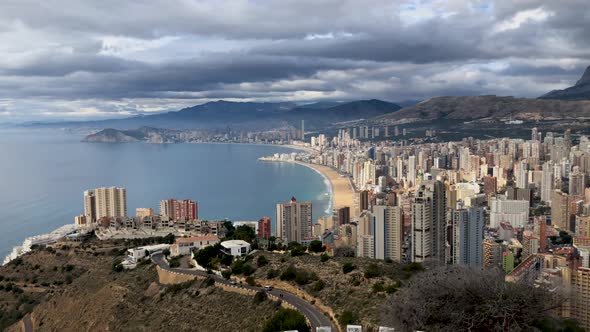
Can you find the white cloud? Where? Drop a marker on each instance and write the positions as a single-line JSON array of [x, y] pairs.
[[526, 16]]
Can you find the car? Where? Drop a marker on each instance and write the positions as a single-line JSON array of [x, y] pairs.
[[233, 282], [268, 288]]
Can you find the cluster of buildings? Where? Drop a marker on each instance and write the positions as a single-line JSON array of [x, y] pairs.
[[520, 205]]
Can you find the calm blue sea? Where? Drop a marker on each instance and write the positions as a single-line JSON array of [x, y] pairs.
[[43, 174]]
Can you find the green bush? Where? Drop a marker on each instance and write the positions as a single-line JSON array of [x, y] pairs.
[[260, 297], [174, 262], [261, 261], [271, 274], [318, 285], [247, 269], [324, 257], [378, 287], [348, 267], [372, 271], [289, 273], [347, 317], [226, 274], [316, 246], [251, 281], [286, 319]]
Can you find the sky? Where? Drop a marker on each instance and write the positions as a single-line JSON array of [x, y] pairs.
[[77, 60]]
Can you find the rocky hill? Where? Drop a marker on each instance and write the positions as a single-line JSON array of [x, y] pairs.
[[488, 108], [580, 91], [75, 289]]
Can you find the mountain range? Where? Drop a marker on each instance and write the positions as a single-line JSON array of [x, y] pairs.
[[564, 105], [580, 91], [251, 115]]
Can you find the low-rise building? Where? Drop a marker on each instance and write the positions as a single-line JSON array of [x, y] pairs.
[[185, 245], [136, 254], [235, 247]]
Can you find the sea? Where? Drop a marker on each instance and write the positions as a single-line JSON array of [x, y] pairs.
[[44, 172]]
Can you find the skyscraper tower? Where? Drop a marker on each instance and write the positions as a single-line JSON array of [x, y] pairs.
[[110, 202], [467, 236], [303, 130], [293, 220], [429, 222]]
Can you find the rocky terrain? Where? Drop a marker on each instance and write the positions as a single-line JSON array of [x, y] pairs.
[[76, 289], [486, 108], [580, 91], [356, 296]]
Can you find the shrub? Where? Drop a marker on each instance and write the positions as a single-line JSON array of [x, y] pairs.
[[251, 281], [378, 287], [261, 261], [316, 246], [247, 269], [271, 274], [372, 271], [298, 251], [348, 267], [459, 298], [347, 317], [286, 319], [260, 297], [226, 274], [324, 257], [289, 274], [318, 285], [174, 262]]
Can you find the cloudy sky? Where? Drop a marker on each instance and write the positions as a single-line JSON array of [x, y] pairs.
[[84, 59]]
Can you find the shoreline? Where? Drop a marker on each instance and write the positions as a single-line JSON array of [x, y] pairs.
[[339, 187]]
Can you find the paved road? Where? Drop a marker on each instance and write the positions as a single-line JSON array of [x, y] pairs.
[[315, 316], [27, 324]]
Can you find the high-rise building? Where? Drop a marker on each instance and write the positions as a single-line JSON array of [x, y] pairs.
[[560, 216], [110, 202], [492, 254], [303, 130], [490, 186], [293, 220], [577, 182], [467, 227], [363, 201], [264, 228], [179, 209], [429, 222], [389, 231], [522, 175], [90, 206], [343, 215], [547, 182], [144, 212]]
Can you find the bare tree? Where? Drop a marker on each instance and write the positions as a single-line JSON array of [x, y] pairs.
[[463, 299]]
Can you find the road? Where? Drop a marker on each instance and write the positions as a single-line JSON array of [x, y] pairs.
[[315, 316], [27, 324]]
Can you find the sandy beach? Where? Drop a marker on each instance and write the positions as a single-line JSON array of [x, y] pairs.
[[342, 192]]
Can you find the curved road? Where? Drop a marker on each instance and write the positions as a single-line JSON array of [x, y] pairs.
[[315, 316]]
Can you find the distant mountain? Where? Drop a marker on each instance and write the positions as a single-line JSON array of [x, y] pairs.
[[145, 134], [355, 110], [489, 107], [580, 91], [253, 116], [321, 104]]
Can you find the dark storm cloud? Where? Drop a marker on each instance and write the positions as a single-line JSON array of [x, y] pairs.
[[106, 57]]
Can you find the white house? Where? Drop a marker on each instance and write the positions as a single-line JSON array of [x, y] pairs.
[[136, 254], [185, 245], [235, 247]]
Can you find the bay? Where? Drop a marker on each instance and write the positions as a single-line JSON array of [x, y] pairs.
[[43, 174]]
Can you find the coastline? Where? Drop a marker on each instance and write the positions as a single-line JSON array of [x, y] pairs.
[[339, 187]]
